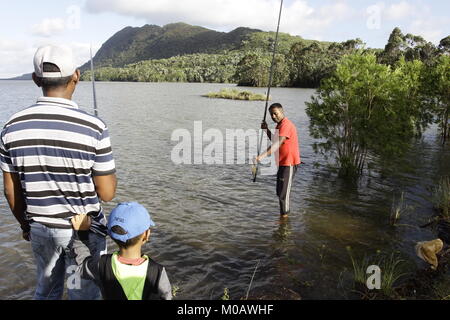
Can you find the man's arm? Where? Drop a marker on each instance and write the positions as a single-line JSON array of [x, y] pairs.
[[14, 194], [104, 169], [272, 149], [105, 186]]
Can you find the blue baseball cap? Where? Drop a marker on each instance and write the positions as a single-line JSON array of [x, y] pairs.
[[132, 217]]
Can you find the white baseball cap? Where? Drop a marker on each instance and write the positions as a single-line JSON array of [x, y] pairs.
[[61, 56]]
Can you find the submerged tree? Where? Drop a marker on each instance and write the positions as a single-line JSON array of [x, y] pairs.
[[439, 86], [409, 96], [364, 108]]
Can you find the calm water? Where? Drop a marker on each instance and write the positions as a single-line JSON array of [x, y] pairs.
[[213, 223]]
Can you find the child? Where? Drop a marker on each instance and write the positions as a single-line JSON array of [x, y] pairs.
[[127, 274]]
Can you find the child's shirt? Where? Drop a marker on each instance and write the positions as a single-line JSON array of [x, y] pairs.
[[130, 277]]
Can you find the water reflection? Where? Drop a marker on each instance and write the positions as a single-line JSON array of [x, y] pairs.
[[284, 231]]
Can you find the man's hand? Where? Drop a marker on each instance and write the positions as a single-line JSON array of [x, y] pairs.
[[265, 128], [257, 159], [81, 222], [264, 125], [26, 236]]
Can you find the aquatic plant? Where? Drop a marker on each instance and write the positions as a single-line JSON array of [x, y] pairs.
[[398, 209], [234, 94], [359, 268], [321, 252], [441, 197], [391, 271], [226, 295], [175, 290]]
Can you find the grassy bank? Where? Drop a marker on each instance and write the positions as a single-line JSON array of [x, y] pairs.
[[234, 94]]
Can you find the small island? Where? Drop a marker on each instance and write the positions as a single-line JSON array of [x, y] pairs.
[[234, 94]]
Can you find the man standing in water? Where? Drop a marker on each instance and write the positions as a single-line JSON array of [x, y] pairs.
[[288, 156], [57, 162]]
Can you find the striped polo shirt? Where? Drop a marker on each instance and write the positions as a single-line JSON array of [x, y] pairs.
[[57, 149]]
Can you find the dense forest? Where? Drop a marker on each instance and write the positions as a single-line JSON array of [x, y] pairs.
[[207, 64], [299, 62], [248, 65]]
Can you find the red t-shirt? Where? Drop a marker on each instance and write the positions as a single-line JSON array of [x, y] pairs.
[[289, 152]]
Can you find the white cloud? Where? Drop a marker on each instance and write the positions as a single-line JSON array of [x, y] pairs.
[[8, 46], [81, 51], [430, 30], [49, 27], [17, 56], [401, 10], [14, 56], [299, 17], [414, 17]]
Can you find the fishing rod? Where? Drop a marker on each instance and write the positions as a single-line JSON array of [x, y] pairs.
[[93, 85], [272, 68]]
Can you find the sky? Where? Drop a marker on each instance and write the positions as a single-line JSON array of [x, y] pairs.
[[25, 25]]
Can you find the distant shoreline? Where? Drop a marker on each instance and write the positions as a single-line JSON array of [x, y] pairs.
[[222, 83], [26, 76]]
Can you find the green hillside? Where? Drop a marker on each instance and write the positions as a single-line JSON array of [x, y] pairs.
[[131, 45]]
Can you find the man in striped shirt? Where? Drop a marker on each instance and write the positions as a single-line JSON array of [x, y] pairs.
[[57, 162]]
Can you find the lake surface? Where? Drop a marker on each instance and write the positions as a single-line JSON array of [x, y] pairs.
[[214, 225]]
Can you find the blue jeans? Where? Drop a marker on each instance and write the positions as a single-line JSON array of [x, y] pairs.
[[52, 252]]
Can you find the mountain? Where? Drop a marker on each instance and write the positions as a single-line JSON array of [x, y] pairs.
[[131, 45]]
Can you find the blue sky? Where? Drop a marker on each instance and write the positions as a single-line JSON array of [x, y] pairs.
[[25, 25]]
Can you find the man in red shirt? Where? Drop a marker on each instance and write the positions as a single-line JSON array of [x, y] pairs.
[[287, 157]]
